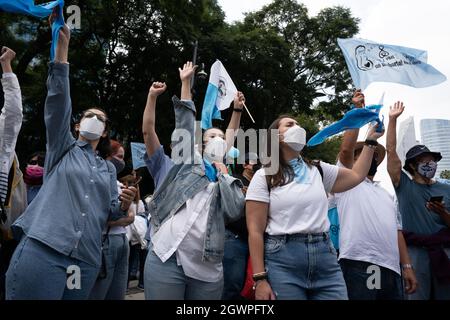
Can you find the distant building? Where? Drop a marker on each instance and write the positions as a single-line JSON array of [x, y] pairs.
[[406, 138], [435, 135]]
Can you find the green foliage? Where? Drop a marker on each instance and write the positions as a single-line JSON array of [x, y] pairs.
[[283, 59], [445, 174]]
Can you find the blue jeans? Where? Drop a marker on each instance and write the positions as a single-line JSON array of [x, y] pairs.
[[133, 261], [167, 281], [114, 286], [303, 267], [234, 266], [38, 272], [357, 274], [429, 287]]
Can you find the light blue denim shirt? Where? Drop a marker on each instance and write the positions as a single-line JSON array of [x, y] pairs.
[[79, 194], [176, 183]]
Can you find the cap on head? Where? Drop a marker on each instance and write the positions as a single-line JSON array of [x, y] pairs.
[[418, 151]]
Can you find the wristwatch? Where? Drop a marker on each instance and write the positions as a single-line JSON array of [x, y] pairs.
[[371, 143]]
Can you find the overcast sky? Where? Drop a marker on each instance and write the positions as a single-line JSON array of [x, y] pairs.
[[409, 23]]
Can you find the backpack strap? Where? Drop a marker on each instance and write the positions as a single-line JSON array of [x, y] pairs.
[[316, 163]]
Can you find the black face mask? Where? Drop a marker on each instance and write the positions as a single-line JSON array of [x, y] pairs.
[[373, 168], [119, 164]]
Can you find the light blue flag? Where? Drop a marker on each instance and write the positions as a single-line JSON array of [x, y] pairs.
[[333, 217], [138, 151], [370, 62], [219, 95], [39, 11], [353, 119]]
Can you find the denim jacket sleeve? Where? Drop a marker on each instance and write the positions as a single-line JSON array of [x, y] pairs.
[[10, 121], [183, 137], [232, 200], [159, 164], [57, 114]]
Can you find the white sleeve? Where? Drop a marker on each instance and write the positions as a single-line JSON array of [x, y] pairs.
[[141, 208], [330, 173], [10, 120], [398, 214], [258, 190]]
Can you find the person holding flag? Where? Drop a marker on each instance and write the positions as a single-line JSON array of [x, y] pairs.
[[60, 231], [52, 8], [192, 203], [287, 219]]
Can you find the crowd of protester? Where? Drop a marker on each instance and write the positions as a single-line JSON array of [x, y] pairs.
[[209, 230]]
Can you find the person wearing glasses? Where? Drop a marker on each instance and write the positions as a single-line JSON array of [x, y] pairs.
[[59, 254]]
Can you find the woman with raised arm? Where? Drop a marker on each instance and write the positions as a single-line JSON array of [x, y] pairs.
[[61, 230], [290, 248], [194, 199]]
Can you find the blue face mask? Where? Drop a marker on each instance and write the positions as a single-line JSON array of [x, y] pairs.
[[427, 169]]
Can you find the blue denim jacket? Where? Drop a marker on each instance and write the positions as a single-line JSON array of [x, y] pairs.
[[79, 193], [176, 183]]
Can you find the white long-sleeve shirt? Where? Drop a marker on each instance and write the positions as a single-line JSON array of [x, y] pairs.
[[10, 124]]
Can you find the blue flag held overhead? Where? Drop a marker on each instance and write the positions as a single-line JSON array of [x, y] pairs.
[[219, 95], [353, 119], [39, 11], [370, 62], [138, 151]]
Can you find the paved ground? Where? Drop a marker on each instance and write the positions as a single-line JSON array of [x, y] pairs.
[[134, 293]]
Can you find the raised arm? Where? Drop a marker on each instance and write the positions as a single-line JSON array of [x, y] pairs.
[[11, 114], [347, 151], [151, 139], [233, 126], [350, 178], [58, 105], [394, 164], [183, 137]]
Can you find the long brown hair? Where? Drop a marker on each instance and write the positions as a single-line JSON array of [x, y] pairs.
[[285, 173]]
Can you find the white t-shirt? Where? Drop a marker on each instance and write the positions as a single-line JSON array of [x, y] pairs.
[[369, 225], [184, 234], [296, 208]]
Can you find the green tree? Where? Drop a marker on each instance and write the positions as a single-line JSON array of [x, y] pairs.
[[445, 174], [280, 57], [320, 72]]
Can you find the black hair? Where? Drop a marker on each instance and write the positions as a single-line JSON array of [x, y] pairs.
[[408, 164], [40, 158]]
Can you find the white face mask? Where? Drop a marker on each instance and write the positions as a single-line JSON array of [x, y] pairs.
[[295, 138], [92, 128], [215, 149]]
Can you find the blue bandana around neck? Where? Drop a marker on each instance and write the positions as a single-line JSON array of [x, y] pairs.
[[210, 171], [39, 11], [301, 171]]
